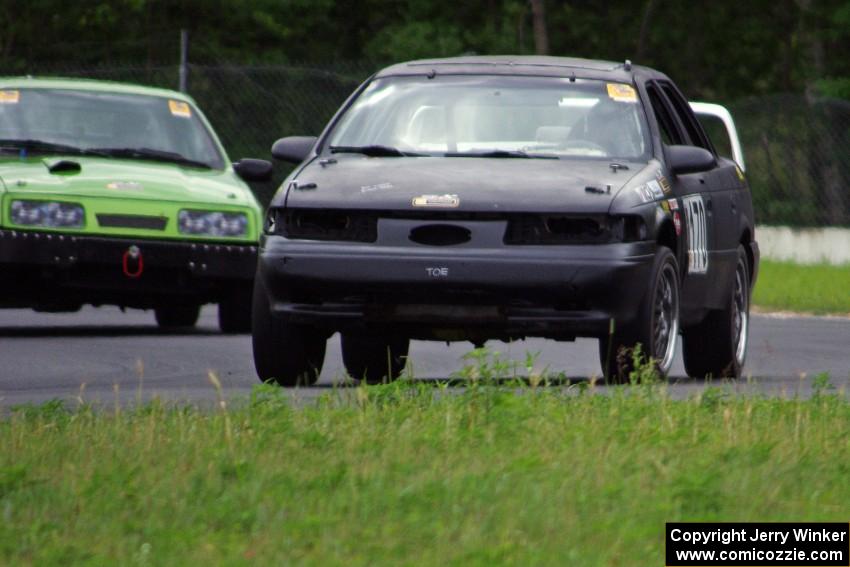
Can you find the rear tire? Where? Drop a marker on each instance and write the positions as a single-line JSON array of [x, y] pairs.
[[717, 347], [284, 353], [656, 327], [234, 310], [374, 359], [177, 316]]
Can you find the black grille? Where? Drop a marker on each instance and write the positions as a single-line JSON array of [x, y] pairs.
[[307, 224], [557, 229], [132, 221]]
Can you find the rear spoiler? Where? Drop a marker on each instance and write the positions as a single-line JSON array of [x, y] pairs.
[[717, 111]]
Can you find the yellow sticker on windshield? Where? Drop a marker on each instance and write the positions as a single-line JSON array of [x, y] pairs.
[[10, 97], [178, 108], [621, 92]]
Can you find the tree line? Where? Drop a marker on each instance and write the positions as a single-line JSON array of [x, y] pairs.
[[715, 49]]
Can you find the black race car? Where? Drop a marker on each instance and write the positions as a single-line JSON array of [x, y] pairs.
[[480, 198]]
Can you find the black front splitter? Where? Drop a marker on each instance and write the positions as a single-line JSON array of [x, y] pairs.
[[41, 268]]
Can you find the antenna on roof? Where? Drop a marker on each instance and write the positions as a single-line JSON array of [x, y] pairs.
[[627, 65]]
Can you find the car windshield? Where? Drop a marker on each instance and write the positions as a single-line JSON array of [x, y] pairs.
[[106, 123], [495, 116]]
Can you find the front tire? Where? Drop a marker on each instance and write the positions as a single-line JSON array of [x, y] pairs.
[[717, 347], [656, 327], [284, 353], [177, 316], [374, 359], [234, 310]]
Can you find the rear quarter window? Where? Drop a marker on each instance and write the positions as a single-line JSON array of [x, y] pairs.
[[716, 131]]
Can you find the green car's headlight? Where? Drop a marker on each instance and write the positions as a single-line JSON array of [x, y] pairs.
[[212, 223], [51, 214]]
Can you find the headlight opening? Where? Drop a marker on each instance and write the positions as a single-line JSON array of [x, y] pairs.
[[49, 214], [212, 223]]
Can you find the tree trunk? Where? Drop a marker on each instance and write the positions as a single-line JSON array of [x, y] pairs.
[[541, 38], [648, 9]]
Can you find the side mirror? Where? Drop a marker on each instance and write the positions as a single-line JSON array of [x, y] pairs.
[[294, 149], [253, 169], [689, 159]]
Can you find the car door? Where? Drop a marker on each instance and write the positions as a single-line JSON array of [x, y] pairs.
[[722, 190], [695, 194]]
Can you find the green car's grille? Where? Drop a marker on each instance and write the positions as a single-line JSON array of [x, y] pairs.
[[132, 221]]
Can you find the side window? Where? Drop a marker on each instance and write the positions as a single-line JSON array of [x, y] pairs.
[[717, 134], [686, 117], [669, 132]]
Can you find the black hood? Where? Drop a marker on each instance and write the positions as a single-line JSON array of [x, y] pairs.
[[480, 184]]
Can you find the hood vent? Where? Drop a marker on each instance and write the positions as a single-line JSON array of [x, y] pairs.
[[132, 221], [440, 235], [63, 166]]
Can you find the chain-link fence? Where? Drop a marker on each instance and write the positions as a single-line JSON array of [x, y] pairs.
[[797, 149], [797, 152]]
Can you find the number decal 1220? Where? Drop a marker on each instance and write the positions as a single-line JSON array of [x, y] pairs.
[[697, 234]]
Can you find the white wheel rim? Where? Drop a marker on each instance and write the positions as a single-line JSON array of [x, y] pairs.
[[665, 328], [740, 314]]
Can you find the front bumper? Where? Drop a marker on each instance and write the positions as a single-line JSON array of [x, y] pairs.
[[42, 269], [553, 291]]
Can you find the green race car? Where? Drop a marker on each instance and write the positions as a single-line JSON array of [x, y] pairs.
[[122, 195]]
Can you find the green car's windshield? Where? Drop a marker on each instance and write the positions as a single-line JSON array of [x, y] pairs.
[[495, 116], [130, 126]]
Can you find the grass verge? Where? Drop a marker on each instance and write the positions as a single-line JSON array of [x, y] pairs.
[[414, 475], [817, 289]]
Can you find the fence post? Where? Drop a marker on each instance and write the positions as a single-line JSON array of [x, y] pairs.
[[184, 59]]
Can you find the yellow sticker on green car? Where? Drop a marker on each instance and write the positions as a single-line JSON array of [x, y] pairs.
[[621, 92], [124, 185], [10, 97], [179, 108]]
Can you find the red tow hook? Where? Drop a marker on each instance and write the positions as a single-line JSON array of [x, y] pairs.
[[134, 255]]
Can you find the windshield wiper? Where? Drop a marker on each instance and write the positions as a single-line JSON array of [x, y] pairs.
[[152, 154], [43, 146], [373, 151], [501, 154]]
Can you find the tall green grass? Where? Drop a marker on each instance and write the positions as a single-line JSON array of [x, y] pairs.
[[792, 287], [413, 474]]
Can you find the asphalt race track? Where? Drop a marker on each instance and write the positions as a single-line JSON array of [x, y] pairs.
[[103, 355]]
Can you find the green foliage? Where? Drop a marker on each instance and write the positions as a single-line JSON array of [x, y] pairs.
[[821, 384], [412, 474], [416, 39], [488, 367], [728, 55], [835, 87], [791, 287], [644, 370]]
